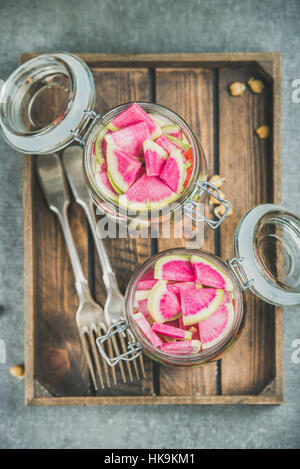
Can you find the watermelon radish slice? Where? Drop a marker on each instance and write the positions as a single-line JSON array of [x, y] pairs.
[[100, 148], [210, 274], [146, 284], [173, 174], [170, 331], [192, 329], [133, 115], [198, 305], [166, 144], [130, 139], [182, 145], [105, 186], [155, 157], [122, 167], [173, 130], [227, 297], [137, 196], [159, 194], [184, 347], [178, 286], [174, 267], [146, 329], [188, 155], [142, 295], [217, 327], [147, 193], [143, 308], [163, 305]]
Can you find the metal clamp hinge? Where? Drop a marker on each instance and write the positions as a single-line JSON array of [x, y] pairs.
[[191, 205], [134, 348], [92, 117], [234, 265]]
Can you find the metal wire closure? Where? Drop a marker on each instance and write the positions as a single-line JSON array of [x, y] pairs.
[[134, 348], [190, 206], [234, 264], [92, 117]]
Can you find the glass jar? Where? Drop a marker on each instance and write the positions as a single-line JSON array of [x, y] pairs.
[[66, 80], [266, 261]]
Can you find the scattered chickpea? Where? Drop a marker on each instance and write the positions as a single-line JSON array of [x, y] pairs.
[[217, 180], [255, 85], [237, 88], [219, 211], [213, 200], [263, 131], [17, 371]]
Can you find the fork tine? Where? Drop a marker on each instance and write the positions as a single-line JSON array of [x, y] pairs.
[[141, 358], [103, 330], [136, 369], [88, 359], [112, 368], [124, 349], [117, 352], [97, 361]]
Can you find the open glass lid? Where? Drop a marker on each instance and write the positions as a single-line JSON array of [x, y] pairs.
[[267, 251], [45, 102]]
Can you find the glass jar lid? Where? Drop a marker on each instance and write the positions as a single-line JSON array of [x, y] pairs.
[[267, 249], [44, 102]]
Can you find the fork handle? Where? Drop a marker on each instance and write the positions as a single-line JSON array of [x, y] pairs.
[[108, 275], [81, 283]]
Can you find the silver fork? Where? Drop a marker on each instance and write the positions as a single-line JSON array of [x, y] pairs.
[[114, 305], [90, 317]]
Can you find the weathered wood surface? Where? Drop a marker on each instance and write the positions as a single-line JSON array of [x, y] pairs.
[[195, 86], [189, 92]]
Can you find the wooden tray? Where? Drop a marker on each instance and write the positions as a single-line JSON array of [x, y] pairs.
[[196, 87]]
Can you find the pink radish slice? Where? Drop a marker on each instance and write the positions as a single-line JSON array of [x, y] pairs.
[[173, 173], [226, 297], [173, 130], [142, 307], [174, 267], [210, 274], [155, 157], [217, 327], [122, 167], [178, 286], [146, 329], [146, 284], [166, 144], [130, 139], [199, 304], [147, 193], [105, 186], [133, 115], [171, 331], [163, 305], [183, 347]]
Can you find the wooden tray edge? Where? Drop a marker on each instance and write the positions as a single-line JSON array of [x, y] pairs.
[[30, 399]]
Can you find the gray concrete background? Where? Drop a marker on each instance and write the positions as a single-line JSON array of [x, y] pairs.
[[142, 26]]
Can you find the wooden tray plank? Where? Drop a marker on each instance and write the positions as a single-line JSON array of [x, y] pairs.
[[115, 87], [249, 365], [189, 92], [59, 366]]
